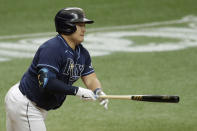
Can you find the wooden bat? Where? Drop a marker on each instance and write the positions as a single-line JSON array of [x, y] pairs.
[[148, 98]]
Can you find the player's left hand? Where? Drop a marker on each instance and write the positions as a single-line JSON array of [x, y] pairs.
[[102, 101]]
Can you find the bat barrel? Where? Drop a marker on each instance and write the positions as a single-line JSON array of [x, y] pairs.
[[156, 98]]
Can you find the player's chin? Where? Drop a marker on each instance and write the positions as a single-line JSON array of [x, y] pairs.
[[80, 39]]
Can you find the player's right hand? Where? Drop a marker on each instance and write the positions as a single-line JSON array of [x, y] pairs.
[[102, 101], [85, 94]]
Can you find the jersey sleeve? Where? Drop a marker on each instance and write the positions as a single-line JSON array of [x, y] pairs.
[[49, 57], [88, 69]]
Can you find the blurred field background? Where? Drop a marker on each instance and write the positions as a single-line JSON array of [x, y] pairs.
[[171, 72]]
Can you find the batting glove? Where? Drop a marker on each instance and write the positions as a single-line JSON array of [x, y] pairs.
[[102, 101], [85, 94]]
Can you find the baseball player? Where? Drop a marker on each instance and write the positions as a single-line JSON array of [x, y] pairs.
[[57, 64]]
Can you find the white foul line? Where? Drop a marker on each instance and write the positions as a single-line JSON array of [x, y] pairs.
[[185, 19]]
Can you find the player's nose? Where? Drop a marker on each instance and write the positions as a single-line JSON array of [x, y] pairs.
[[83, 29]]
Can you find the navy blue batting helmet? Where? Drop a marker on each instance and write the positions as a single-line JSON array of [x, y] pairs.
[[66, 19]]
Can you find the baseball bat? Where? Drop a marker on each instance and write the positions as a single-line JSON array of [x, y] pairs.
[[148, 98]]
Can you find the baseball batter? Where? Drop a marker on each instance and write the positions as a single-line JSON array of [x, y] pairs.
[[57, 64]]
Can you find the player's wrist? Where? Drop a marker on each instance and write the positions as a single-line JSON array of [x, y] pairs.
[[97, 91]]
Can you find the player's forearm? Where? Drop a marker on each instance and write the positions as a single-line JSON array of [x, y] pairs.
[[91, 82], [94, 84]]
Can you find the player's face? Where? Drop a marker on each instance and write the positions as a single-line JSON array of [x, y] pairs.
[[78, 35]]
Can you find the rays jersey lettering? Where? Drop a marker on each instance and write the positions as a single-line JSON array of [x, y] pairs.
[[72, 70]]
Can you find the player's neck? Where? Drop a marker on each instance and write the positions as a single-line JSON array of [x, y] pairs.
[[71, 43]]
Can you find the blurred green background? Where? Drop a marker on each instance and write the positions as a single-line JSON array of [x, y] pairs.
[[120, 73], [27, 16]]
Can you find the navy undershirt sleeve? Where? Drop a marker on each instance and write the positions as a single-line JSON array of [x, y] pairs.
[[59, 87]]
